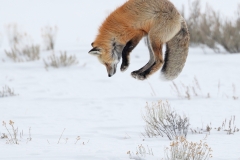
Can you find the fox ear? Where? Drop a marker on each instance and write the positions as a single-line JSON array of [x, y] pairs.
[[95, 51]]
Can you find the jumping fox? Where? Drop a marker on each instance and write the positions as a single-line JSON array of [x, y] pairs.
[[158, 21]]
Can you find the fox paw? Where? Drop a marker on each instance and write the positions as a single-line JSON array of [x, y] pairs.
[[134, 74], [124, 68], [139, 76]]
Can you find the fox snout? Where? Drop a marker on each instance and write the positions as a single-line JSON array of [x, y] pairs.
[[108, 57], [110, 66], [111, 69]]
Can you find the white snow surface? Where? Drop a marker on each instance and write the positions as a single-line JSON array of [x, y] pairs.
[[105, 112]]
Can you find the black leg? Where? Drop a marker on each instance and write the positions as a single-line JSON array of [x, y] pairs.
[[125, 55], [127, 50]]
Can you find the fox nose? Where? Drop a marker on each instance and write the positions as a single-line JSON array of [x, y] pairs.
[[109, 75]]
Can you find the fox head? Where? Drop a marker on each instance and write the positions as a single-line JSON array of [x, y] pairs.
[[108, 56]]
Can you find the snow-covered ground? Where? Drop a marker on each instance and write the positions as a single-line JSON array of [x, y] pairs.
[[106, 113]]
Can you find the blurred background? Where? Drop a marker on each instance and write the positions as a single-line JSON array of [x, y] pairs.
[[75, 22]]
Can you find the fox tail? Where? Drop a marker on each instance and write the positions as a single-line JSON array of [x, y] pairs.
[[176, 53]]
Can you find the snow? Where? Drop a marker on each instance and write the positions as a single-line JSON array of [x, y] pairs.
[[105, 112]]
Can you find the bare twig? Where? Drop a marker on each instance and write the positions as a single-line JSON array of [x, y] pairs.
[[61, 136], [77, 139]]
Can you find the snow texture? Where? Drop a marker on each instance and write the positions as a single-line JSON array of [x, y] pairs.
[[105, 112]]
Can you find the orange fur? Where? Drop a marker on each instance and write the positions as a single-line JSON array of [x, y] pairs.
[[159, 20]]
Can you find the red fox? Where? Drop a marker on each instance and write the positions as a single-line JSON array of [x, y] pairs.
[[158, 21]]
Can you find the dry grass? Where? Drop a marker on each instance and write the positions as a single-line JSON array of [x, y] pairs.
[[7, 92], [194, 90], [16, 37], [161, 120], [141, 152], [49, 35], [22, 49], [202, 130], [228, 126], [60, 61], [183, 150], [198, 130], [208, 28], [77, 139], [187, 91], [13, 136], [61, 136], [64, 140], [28, 53], [234, 96]]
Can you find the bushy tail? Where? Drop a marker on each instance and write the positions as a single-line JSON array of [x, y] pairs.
[[176, 53]]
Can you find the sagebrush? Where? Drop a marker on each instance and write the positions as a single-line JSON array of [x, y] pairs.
[[7, 92], [28, 53], [161, 120], [181, 149], [63, 60], [209, 28]]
